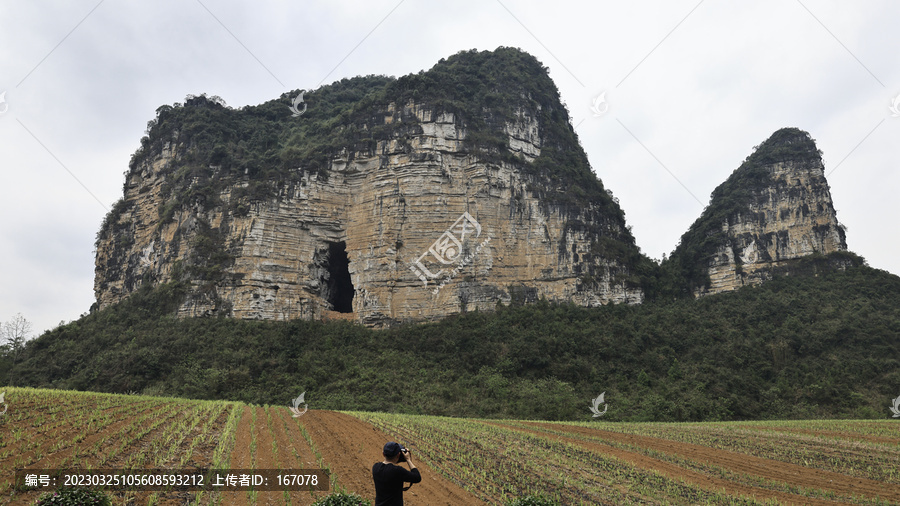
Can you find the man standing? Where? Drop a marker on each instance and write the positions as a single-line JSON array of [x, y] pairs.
[[389, 477]]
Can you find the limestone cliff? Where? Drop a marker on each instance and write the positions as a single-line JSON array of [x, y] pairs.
[[774, 209], [384, 201]]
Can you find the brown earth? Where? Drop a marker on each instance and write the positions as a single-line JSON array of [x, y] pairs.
[[291, 437], [143, 445], [200, 457], [60, 432], [269, 455], [830, 433], [334, 315], [351, 446], [95, 448], [738, 463], [675, 471], [290, 451], [58, 458], [294, 451], [242, 456]]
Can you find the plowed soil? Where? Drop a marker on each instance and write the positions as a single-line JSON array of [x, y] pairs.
[[852, 436], [350, 447], [101, 444], [774, 470], [270, 438]]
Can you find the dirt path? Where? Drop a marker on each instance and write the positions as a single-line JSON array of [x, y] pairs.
[[778, 471], [241, 456], [269, 455], [350, 447], [294, 451]]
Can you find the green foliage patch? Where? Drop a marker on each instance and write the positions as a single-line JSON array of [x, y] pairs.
[[74, 497], [342, 499], [822, 344]]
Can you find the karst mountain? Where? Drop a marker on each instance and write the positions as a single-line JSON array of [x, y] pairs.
[[385, 200]]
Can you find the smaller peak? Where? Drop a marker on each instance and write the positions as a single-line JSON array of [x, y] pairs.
[[790, 136], [786, 145]]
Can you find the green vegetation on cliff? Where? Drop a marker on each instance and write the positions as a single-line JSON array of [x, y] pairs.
[[266, 145], [687, 267], [818, 343]]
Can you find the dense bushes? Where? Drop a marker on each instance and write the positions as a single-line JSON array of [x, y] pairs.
[[74, 497], [795, 347], [342, 499]]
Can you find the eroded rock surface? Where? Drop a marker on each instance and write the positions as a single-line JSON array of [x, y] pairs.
[[775, 209], [427, 229]]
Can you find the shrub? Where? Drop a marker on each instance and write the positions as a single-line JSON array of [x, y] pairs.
[[74, 497], [342, 499]]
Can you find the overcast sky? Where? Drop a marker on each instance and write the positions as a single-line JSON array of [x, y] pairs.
[[690, 87]]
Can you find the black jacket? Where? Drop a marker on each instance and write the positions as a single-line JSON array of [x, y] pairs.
[[389, 481]]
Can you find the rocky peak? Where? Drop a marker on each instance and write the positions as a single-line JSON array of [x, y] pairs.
[[773, 209]]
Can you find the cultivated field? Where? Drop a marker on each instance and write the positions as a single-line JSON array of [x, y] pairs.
[[462, 461]]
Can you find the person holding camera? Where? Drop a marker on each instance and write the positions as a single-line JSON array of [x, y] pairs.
[[389, 477]]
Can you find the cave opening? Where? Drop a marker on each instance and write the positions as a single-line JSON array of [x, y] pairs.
[[340, 287]]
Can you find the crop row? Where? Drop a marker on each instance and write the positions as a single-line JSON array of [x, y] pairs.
[[55, 429], [725, 467], [496, 463], [872, 460]]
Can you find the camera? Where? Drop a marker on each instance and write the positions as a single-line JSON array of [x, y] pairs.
[[403, 452]]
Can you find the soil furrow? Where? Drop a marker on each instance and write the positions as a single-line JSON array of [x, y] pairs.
[[293, 450], [241, 457], [266, 456], [830, 434], [675, 471], [351, 446], [792, 474]]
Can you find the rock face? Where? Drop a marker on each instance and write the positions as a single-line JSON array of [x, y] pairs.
[[392, 200], [417, 226], [773, 210]]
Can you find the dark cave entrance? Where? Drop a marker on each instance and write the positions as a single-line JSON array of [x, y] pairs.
[[339, 287]]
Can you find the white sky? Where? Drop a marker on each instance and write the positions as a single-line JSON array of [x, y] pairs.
[[691, 87]]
